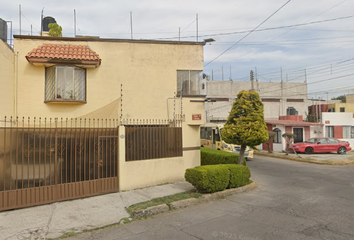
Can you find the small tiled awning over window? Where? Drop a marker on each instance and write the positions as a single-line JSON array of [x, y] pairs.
[[79, 55]]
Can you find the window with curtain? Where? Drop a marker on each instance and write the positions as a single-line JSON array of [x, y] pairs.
[[65, 83]]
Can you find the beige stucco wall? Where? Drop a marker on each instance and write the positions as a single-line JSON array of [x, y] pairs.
[[143, 173], [7, 80], [137, 174], [350, 98], [148, 73], [348, 107]]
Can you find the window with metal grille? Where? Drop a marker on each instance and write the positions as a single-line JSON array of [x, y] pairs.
[[65, 83]]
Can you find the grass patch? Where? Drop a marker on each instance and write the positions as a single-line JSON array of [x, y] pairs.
[[163, 200]]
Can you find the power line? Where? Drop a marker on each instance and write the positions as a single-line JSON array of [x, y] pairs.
[[249, 33], [268, 29]]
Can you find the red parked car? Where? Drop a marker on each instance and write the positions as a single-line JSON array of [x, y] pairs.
[[321, 145]]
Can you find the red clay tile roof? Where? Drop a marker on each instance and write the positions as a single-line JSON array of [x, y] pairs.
[[65, 53]]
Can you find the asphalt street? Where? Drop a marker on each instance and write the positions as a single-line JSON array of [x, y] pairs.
[[292, 200]]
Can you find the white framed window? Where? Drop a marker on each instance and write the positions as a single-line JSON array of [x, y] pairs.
[[329, 131], [65, 83], [352, 132]]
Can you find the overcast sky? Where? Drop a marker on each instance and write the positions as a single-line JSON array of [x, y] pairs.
[[302, 39]]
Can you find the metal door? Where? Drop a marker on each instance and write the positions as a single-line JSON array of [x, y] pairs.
[[298, 132]]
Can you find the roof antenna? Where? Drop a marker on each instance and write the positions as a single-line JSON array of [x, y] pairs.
[[42, 21]]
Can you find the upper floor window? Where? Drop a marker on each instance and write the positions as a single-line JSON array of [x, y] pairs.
[[189, 82], [65, 83]]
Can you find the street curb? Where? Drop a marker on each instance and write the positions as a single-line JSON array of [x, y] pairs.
[[154, 210], [307, 160], [151, 211]]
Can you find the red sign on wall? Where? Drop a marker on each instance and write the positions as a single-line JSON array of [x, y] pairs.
[[196, 117]]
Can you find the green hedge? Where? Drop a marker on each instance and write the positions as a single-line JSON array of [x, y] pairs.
[[208, 178], [213, 178], [210, 156], [239, 175]]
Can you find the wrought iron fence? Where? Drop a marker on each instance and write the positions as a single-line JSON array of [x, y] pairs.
[[43, 152]]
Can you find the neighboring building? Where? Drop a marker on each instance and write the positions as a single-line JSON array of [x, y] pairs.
[[319, 106], [339, 125], [348, 106], [138, 101], [279, 98], [291, 124]]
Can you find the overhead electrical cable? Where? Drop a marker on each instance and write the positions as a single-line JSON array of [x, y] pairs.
[[248, 33]]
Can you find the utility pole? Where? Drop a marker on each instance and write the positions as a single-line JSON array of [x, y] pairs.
[[197, 25], [74, 23], [327, 97], [251, 78], [281, 92], [20, 17], [255, 70], [131, 25], [42, 22], [222, 73]]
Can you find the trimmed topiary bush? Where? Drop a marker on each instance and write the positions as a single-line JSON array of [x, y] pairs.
[[210, 156], [213, 157], [239, 175], [208, 179], [213, 178]]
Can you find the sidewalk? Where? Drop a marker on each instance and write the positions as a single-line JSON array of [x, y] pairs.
[[54, 220]]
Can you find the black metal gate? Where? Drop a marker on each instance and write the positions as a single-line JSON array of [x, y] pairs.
[[299, 135]]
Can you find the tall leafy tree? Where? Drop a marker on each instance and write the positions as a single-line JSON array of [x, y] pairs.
[[245, 125], [55, 30], [343, 98]]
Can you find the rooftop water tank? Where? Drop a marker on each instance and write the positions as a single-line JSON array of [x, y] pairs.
[[3, 30], [46, 21]]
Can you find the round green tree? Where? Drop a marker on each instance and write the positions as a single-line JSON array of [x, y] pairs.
[[55, 30], [245, 125]]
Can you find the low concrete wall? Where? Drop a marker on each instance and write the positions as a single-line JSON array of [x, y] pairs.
[[144, 173]]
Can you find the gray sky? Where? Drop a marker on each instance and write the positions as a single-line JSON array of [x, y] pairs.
[[305, 34]]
